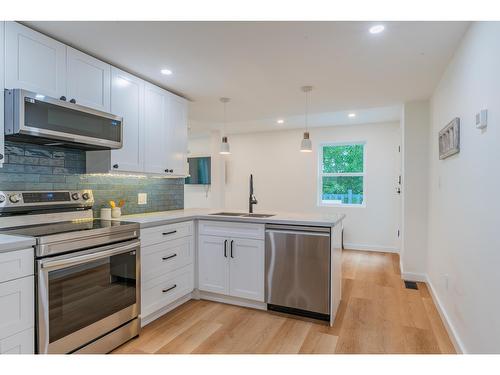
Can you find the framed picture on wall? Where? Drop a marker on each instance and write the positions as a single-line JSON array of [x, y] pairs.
[[449, 139]]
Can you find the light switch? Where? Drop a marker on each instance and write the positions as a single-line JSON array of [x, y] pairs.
[[142, 198], [482, 119]]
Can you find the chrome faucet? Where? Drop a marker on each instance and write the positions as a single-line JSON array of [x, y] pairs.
[[251, 199]]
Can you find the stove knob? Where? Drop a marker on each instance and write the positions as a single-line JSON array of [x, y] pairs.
[[14, 198], [75, 196], [2, 198], [86, 196]]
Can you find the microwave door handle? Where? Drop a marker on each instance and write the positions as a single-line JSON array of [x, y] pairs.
[[62, 263]]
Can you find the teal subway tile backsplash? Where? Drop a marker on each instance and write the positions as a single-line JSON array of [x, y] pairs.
[[35, 167]]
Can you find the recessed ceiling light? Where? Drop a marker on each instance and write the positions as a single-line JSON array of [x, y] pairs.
[[280, 121], [166, 72], [377, 29], [351, 115]]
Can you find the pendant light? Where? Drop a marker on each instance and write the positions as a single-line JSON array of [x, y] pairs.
[[224, 146], [306, 144]]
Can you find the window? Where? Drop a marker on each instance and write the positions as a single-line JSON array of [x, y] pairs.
[[341, 174]]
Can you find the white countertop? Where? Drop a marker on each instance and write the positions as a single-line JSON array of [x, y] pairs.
[[167, 217], [11, 243]]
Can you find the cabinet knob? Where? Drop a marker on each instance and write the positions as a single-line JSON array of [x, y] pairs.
[[73, 101], [115, 166], [62, 98]]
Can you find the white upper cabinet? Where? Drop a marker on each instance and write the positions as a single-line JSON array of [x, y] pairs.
[[127, 100], [176, 137], [34, 61], [156, 103], [88, 80]]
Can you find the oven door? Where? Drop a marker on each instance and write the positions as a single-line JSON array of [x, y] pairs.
[[85, 295]]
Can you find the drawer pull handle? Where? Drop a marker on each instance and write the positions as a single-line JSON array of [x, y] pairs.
[[169, 289], [169, 257], [167, 233]]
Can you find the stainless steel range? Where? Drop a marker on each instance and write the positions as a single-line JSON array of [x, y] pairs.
[[87, 270]]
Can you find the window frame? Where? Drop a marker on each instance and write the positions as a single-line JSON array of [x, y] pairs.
[[320, 201]]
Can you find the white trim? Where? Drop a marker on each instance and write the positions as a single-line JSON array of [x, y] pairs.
[[452, 332], [377, 248], [159, 313], [450, 329], [209, 296]]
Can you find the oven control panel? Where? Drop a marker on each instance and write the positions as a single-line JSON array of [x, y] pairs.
[[19, 201]]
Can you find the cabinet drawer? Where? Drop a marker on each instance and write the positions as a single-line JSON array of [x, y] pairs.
[[16, 264], [164, 257], [151, 236], [163, 290], [20, 343], [16, 306], [227, 229]]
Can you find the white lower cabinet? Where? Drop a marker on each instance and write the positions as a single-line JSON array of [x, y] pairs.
[[213, 264], [167, 267], [17, 306], [17, 302], [231, 266], [246, 269], [20, 343], [163, 290]]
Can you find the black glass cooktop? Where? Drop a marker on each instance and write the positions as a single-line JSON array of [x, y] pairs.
[[40, 230]]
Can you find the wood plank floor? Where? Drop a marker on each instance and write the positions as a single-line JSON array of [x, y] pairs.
[[377, 315]]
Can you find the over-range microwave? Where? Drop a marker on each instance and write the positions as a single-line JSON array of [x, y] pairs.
[[36, 118]]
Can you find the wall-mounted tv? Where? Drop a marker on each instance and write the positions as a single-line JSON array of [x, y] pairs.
[[199, 171]]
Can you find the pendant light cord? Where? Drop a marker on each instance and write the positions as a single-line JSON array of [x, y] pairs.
[[307, 111]]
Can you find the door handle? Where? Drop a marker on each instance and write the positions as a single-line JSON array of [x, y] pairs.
[[232, 248], [225, 248], [169, 257], [169, 289], [167, 233]]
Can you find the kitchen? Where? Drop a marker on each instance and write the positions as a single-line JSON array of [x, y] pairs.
[[167, 206]]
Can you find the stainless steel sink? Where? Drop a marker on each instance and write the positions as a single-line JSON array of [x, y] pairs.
[[258, 215], [241, 214], [229, 214]]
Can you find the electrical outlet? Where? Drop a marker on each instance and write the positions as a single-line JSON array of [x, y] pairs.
[[142, 198]]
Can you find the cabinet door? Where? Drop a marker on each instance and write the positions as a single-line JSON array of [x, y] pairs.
[[2, 85], [34, 61], [155, 126], [246, 269], [17, 307], [213, 265], [176, 137], [20, 343], [127, 100], [88, 80]]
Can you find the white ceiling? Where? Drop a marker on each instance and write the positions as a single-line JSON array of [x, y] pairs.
[[262, 65]]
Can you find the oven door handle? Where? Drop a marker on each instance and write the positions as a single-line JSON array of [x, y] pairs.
[[88, 257]]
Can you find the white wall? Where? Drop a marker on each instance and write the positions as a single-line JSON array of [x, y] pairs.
[[286, 179], [464, 208], [415, 128]]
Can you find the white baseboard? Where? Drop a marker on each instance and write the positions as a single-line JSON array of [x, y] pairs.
[[452, 332], [158, 314], [232, 300], [384, 249]]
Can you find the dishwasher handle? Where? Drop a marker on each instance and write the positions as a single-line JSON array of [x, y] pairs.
[[298, 233]]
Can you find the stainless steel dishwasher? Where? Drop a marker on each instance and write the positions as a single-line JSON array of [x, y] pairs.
[[298, 270]]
